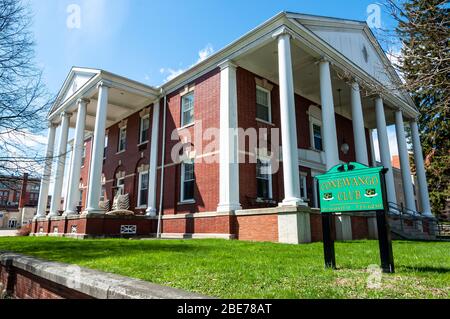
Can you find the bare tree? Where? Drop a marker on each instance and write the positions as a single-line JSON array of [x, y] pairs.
[[23, 98]]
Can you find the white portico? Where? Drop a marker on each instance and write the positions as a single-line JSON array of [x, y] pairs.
[[89, 101]]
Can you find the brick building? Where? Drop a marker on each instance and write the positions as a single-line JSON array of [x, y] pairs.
[[230, 147], [18, 200]]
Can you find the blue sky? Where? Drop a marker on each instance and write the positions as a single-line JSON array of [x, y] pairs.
[[148, 40]]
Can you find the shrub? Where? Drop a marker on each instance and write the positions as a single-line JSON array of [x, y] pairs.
[[24, 231]]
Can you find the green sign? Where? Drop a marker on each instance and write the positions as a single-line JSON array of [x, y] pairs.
[[351, 187]]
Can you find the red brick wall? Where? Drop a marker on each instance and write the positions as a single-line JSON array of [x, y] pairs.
[[28, 286], [201, 225], [360, 227], [257, 227]]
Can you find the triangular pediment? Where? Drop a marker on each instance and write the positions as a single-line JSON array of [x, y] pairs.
[[355, 41], [75, 80]]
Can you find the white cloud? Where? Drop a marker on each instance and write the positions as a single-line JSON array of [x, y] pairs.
[[203, 54]]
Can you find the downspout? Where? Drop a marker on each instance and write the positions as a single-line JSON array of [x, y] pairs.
[[163, 158]]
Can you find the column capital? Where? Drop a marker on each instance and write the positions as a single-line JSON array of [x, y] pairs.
[[83, 100], [227, 64], [282, 31], [66, 114], [50, 124], [104, 83]]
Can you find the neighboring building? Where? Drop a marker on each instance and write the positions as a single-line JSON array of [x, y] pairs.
[[18, 200], [401, 199], [296, 78]]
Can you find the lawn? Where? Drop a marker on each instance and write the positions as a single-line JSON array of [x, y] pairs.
[[237, 269]]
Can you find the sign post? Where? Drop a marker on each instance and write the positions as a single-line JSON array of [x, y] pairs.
[[354, 187]]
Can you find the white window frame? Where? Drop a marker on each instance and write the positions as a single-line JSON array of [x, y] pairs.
[[12, 221], [313, 121], [269, 100], [269, 162], [182, 199], [120, 186], [183, 110], [304, 183], [146, 117], [139, 205], [119, 150], [315, 118]]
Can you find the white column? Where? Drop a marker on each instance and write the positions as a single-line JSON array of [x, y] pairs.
[[96, 165], [73, 191], [404, 162], [359, 132], [45, 181], [60, 165], [330, 145], [385, 153], [228, 146], [420, 169], [288, 122], [151, 206]]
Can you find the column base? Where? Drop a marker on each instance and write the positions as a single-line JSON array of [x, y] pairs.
[[228, 207], [70, 213], [151, 212], [295, 202], [52, 215], [93, 212]]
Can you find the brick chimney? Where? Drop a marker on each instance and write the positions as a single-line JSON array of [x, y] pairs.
[[23, 191]]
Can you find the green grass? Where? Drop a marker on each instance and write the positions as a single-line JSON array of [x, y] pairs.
[[237, 269]]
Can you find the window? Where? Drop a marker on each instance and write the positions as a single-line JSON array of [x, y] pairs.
[[103, 193], [122, 139], [120, 186], [143, 189], [303, 188], [263, 104], [144, 127], [12, 223], [317, 135], [187, 181], [264, 179], [83, 155], [80, 202], [187, 109], [105, 146], [4, 198]]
